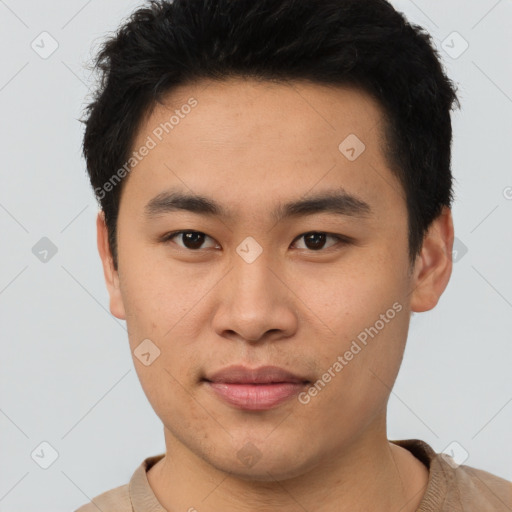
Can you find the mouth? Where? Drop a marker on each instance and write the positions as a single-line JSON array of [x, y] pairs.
[[257, 383], [255, 389], [240, 374], [255, 397]]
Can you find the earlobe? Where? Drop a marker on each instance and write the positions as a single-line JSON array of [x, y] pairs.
[[434, 265], [111, 275]]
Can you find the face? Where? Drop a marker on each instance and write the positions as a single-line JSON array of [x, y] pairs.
[[323, 290]]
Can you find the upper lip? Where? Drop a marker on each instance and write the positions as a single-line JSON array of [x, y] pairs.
[[263, 375]]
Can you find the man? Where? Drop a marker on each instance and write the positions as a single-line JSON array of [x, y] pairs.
[[275, 189]]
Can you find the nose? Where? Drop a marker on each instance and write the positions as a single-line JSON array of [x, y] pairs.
[[255, 302]]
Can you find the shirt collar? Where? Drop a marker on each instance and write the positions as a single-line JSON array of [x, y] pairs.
[[141, 494], [144, 500]]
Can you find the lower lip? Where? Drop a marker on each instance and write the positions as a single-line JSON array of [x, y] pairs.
[[256, 397]]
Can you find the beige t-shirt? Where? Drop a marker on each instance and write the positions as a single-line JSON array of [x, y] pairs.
[[450, 487]]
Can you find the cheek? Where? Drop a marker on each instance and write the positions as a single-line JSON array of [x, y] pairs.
[[361, 316], [348, 296], [169, 379], [156, 292]]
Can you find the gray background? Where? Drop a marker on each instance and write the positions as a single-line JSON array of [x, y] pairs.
[[67, 377]]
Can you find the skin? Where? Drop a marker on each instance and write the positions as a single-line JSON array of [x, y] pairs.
[[251, 145]]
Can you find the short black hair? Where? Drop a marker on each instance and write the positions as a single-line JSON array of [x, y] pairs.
[[360, 43]]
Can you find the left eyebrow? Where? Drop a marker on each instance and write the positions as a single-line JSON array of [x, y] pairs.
[[338, 203], [334, 202]]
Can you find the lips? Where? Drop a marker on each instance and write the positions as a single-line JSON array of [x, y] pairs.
[[255, 389], [262, 375]]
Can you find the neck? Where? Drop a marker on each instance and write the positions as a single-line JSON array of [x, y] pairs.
[[369, 474]]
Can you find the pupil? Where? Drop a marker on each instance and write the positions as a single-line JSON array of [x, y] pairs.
[[193, 240], [317, 244], [189, 237]]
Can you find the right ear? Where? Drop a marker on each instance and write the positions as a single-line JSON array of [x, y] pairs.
[[111, 275]]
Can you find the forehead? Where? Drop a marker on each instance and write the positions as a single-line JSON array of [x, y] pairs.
[[247, 142]]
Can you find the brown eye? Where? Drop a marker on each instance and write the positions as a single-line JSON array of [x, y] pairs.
[[192, 240], [315, 240]]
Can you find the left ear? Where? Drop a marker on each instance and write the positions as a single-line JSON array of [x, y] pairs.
[[433, 266]]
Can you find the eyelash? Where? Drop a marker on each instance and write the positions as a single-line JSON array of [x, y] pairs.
[[167, 238]]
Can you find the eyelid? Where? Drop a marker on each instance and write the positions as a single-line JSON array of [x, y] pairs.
[[168, 236], [341, 239]]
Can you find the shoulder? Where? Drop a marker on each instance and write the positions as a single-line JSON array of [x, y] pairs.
[[458, 487], [476, 489], [137, 493], [114, 500]]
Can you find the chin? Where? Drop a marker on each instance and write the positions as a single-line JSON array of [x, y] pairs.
[[262, 469]]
